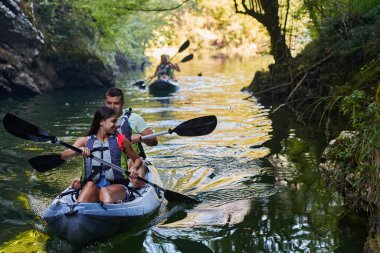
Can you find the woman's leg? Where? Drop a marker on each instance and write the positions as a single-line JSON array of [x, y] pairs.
[[112, 193], [135, 182], [89, 193]]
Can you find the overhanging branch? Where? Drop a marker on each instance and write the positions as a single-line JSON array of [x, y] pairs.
[[162, 9]]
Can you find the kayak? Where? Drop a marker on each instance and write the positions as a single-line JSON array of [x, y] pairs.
[[164, 85], [81, 223]]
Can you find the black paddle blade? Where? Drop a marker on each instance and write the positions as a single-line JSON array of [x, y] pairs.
[[187, 58], [20, 128], [184, 46], [197, 126], [139, 83], [46, 162], [179, 198]]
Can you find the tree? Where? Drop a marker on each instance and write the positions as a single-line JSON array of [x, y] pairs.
[[267, 13]]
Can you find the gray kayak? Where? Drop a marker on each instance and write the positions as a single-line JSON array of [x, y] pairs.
[[81, 223]]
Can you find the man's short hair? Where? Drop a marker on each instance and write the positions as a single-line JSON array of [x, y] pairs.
[[115, 92]]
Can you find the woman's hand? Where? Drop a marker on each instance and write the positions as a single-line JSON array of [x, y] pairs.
[[133, 173], [85, 152], [75, 183]]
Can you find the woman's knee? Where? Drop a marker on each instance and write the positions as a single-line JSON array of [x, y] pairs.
[[88, 193]]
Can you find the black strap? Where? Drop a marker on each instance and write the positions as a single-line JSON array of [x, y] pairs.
[[96, 170], [69, 192], [101, 149], [128, 112], [142, 152]]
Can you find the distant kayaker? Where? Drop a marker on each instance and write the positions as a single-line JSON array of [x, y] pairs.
[[132, 125], [101, 183], [166, 69]]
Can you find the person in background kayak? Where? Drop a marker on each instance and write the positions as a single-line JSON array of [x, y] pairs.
[[132, 125], [99, 181], [166, 69]]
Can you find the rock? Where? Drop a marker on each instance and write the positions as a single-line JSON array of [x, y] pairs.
[[364, 200], [30, 65]]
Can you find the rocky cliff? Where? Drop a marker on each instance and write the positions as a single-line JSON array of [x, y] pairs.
[[30, 64]]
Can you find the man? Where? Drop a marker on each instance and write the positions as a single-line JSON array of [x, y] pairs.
[[132, 125]]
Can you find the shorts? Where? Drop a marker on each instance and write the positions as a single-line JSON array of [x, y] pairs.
[[103, 182]]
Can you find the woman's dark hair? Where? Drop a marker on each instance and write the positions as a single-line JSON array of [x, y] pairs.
[[101, 113]]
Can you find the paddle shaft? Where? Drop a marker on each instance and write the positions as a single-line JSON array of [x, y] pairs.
[[154, 135], [79, 151]]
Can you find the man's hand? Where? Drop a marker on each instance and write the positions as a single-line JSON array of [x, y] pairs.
[[136, 138]]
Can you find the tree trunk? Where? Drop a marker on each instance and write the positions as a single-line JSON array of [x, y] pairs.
[[266, 12], [279, 48]]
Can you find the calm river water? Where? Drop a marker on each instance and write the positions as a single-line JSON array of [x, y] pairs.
[[256, 173]]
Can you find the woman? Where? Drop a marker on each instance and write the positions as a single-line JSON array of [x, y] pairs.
[[100, 182], [166, 68]]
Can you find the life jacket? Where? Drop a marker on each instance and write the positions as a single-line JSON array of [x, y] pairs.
[[165, 69], [125, 129], [109, 151]]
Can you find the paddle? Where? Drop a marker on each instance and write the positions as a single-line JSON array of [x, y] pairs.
[[193, 127], [39, 161], [185, 45], [28, 131], [185, 59]]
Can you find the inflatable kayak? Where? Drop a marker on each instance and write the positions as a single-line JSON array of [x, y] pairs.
[[163, 85], [81, 223]]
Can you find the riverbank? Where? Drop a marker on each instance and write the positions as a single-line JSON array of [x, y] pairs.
[[336, 81]]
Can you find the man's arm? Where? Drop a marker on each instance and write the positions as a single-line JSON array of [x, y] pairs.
[[139, 126], [151, 141], [136, 138]]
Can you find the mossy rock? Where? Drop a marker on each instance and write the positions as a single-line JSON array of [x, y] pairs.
[[28, 241]]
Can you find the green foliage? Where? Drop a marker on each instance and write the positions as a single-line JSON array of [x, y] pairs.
[[213, 26], [360, 7], [362, 110], [360, 154], [100, 27], [65, 28], [325, 14]]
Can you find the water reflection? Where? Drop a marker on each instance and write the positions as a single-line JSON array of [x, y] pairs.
[[257, 178]]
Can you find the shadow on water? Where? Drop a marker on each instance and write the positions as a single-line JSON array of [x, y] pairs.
[[256, 173]]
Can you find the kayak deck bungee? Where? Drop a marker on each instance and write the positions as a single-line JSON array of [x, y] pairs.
[[81, 223]]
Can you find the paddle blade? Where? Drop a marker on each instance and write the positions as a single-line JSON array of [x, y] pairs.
[[46, 162], [184, 46], [187, 58], [139, 83], [197, 126], [20, 128], [179, 198]]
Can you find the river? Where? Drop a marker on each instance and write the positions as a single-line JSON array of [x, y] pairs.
[[256, 173]]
